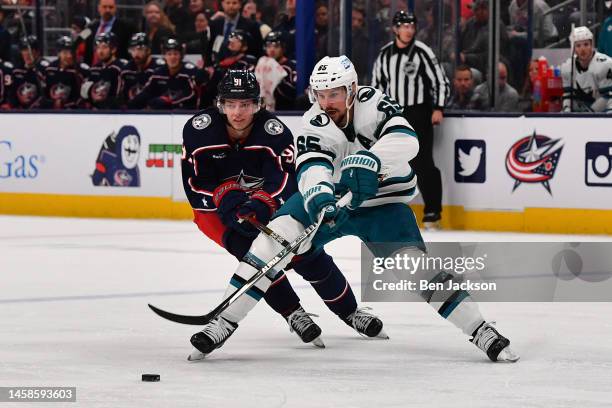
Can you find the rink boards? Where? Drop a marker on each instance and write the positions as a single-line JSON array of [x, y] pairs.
[[534, 174]]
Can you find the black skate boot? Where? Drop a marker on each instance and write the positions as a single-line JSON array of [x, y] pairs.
[[366, 323], [306, 329], [211, 337], [497, 347]]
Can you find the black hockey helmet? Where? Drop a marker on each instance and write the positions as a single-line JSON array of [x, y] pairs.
[[403, 17], [276, 37], [65, 43], [172, 44], [241, 35], [107, 38], [29, 42], [238, 84], [139, 40]]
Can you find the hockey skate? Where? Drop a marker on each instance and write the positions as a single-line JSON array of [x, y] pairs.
[[494, 344], [366, 323], [431, 222], [306, 329], [211, 337]]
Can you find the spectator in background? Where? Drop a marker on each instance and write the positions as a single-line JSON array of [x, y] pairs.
[[197, 42], [321, 30], [158, 26], [28, 76], [108, 21], [360, 44], [287, 25], [507, 96], [249, 11], [5, 38], [179, 17], [526, 96], [475, 37], [277, 74], [604, 42], [462, 96], [221, 28]]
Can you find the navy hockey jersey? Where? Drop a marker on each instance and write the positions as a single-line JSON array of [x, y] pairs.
[[103, 86], [6, 81], [63, 85], [264, 160], [163, 91], [134, 80], [28, 82]]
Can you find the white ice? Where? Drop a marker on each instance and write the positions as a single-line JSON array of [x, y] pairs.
[[73, 313]]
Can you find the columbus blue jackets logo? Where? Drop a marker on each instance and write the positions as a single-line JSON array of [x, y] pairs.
[[248, 183], [100, 91], [27, 93], [201, 121], [274, 127], [60, 92], [534, 159], [117, 162]]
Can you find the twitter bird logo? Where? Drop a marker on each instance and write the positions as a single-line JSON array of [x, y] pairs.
[[470, 161]]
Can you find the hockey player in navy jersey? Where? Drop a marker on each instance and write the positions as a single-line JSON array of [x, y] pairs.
[[284, 93], [102, 89], [64, 77], [6, 83], [140, 68], [355, 140], [175, 85], [28, 76], [238, 163]]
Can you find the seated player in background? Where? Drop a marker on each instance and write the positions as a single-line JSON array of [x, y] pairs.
[[355, 140], [175, 85], [269, 70], [28, 76], [139, 68], [64, 77], [102, 89], [587, 76], [238, 163]]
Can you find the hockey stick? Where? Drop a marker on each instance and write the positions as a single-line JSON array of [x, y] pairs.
[[261, 272]]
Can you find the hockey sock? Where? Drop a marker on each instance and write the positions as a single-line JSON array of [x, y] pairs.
[[456, 306], [243, 305], [330, 284], [281, 297]]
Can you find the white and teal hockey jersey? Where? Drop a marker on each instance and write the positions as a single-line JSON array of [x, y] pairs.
[[591, 88], [376, 125]]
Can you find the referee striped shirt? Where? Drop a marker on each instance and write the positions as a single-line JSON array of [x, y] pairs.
[[411, 75]]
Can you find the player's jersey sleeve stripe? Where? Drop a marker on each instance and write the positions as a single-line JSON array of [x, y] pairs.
[[398, 129], [282, 186], [382, 124], [397, 180], [305, 165]]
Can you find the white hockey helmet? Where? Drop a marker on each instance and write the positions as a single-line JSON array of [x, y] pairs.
[[333, 72], [581, 33]]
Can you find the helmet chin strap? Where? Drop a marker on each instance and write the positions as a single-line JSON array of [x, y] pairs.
[[348, 106]]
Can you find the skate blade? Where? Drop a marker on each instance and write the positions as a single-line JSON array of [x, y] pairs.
[[196, 355], [508, 356], [318, 343], [382, 335]]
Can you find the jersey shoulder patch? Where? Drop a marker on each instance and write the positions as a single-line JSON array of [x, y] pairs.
[[274, 127], [201, 122], [365, 93], [320, 120]]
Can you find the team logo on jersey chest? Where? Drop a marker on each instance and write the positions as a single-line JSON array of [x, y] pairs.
[[201, 121], [274, 127]]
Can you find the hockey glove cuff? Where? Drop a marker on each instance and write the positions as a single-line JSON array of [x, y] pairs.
[[227, 198], [360, 176], [321, 198], [260, 206]]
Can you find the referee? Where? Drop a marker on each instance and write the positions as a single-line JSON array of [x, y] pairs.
[[409, 72]]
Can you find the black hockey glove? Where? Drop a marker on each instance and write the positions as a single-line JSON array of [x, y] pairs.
[[228, 197]]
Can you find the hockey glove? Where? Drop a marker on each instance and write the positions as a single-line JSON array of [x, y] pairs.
[[359, 176], [260, 206], [321, 198], [228, 197]]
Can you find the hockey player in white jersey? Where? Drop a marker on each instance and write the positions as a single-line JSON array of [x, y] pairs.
[[355, 140], [587, 76]]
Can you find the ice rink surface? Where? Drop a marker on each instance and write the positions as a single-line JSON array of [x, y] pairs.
[[73, 313]]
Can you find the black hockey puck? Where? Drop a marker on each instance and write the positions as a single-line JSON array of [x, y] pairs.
[[150, 377]]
